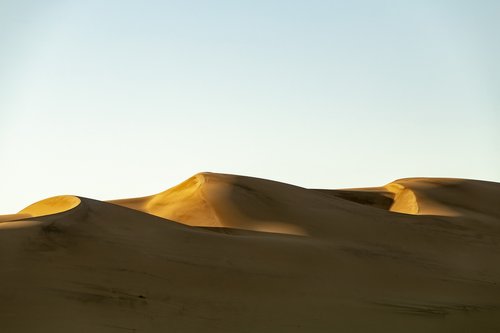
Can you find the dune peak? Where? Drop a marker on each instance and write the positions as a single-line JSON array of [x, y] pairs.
[[49, 206]]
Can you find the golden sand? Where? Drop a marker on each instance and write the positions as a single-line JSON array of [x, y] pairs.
[[226, 253]]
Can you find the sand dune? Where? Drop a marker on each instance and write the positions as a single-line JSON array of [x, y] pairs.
[[52, 205], [453, 197], [430, 196], [44, 207], [226, 253]]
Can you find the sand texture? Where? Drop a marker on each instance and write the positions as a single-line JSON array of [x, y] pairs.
[[226, 253]]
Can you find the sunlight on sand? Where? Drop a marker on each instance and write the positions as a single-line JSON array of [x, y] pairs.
[[220, 253], [52, 205]]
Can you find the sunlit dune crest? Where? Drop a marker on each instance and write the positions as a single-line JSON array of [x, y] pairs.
[[184, 203], [445, 197], [228, 253], [51, 205], [404, 200], [209, 200]]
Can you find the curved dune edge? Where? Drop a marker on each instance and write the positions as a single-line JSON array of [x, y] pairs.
[[405, 201], [184, 203], [207, 200], [49, 206]]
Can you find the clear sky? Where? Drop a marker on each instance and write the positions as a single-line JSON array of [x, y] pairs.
[[111, 99]]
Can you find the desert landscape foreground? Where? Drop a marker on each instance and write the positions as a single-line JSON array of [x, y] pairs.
[[227, 253]]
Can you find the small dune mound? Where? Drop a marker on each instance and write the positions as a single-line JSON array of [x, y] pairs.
[[445, 197], [474, 199], [53, 205]]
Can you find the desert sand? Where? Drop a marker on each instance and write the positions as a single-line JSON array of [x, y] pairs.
[[227, 253]]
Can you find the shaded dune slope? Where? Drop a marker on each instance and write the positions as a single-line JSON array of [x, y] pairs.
[[287, 259]]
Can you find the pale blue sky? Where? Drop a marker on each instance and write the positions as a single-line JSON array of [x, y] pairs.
[[110, 99]]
